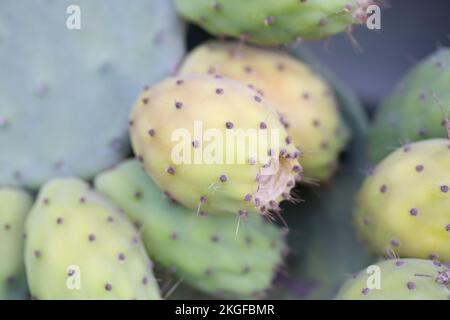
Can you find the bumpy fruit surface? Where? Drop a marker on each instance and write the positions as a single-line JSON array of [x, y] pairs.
[[403, 207], [400, 279], [416, 110], [80, 246], [207, 252], [303, 100], [270, 22], [69, 96], [214, 145], [14, 207]]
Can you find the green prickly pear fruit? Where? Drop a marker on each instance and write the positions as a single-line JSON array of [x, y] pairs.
[[399, 279], [417, 108], [214, 144], [302, 98], [402, 209], [269, 22], [211, 253], [14, 207], [80, 246]]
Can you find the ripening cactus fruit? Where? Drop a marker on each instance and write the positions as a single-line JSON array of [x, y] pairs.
[[305, 102], [269, 22], [399, 279], [211, 253], [80, 246], [416, 110], [14, 207], [403, 207], [214, 145], [69, 96]]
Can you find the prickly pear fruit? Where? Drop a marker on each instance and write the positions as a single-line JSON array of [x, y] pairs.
[[269, 22], [207, 252], [80, 246], [304, 101], [77, 83], [214, 145], [403, 207], [400, 279], [416, 110], [14, 207]]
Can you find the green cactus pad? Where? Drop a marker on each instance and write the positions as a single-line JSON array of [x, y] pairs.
[[416, 110], [204, 251], [14, 207], [214, 144], [269, 22], [80, 246], [403, 206], [400, 279], [65, 94]]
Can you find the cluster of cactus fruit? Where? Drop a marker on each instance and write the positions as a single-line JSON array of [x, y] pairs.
[[403, 208], [200, 198], [268, 22]]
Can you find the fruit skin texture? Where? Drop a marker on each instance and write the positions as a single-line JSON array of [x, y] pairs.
[[70, 95], [14, 207], [402, 208], [269, 22], [303, 99], [417, 108], [235, 181], [401, 279], [75, 234], [204, 251]]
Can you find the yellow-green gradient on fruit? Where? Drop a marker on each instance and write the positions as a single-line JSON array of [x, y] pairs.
[[403, 208], [14, 207], [209, 116], [274, 22], [80, 246], [303, 99], [399, 279], [211, 253]]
